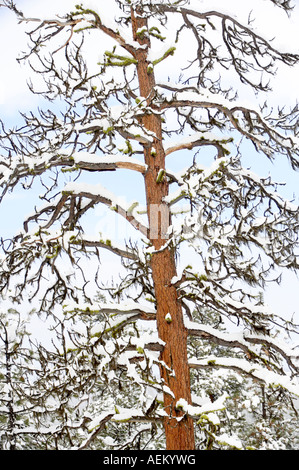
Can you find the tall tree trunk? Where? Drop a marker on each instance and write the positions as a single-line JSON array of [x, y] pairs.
[[175, 370]]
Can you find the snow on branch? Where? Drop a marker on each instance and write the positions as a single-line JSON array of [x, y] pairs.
[[13, 170], [128, 308], [199, 139], [48, 262], [242, 48], [97, 193], [71, 240], [95, 427], [116, 316], [269, 221], [107, 244], [196, 411], [247, 120], [118, 415], [247, 307], [285, 4], [93, 20], [81, 19], [245, 342], [260, 373]]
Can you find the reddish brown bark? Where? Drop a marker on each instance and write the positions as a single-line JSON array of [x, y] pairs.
[[174, 368]]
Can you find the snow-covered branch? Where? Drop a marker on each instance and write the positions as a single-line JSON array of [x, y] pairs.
[[260, 373], [107, 244], [245, 343], [200, 139], [97, 193], [247, 120], [23, 166], [95, 428], [126, 309], [242, 48]]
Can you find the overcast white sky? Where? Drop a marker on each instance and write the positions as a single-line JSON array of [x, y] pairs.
[[270, 21]]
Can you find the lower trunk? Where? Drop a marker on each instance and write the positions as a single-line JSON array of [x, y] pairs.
[[174, 363]]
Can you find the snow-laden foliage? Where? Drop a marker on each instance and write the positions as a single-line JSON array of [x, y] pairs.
[[98, 385]]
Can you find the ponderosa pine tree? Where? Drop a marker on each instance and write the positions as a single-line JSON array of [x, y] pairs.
[[118, 114]]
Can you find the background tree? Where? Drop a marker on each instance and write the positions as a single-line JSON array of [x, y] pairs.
[[113, 114], [15, 375]]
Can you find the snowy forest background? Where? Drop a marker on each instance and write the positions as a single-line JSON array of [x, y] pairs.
[[79, 349]]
